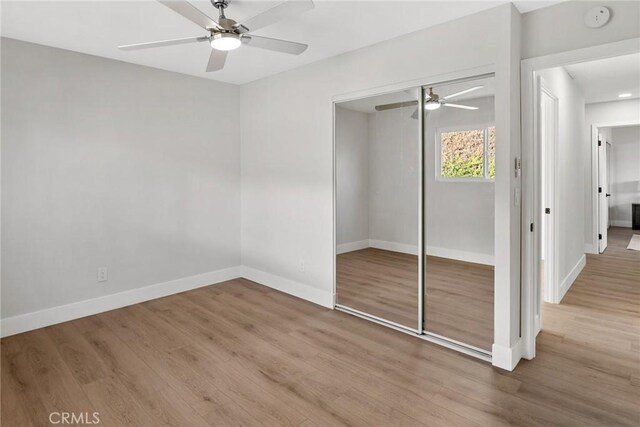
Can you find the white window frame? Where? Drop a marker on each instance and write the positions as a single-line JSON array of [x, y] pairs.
[[485, 158]]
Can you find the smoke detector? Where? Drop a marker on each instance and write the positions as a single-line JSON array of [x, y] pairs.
[[597, 17]]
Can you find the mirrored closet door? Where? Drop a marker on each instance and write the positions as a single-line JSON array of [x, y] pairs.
[[459, 200], [415, 211], [378, 226]]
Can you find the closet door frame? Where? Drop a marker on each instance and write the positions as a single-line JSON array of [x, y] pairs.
[[419, 84]]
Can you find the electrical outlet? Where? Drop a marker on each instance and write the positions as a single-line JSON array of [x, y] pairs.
[[102, 274], [301, 265]]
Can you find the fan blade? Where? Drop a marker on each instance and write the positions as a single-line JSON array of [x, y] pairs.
[[415, 114], [462, 92], [464, 107], [216, 60], [277, 13], [396, 105], [162, 43], [278, 45], [190, 12]]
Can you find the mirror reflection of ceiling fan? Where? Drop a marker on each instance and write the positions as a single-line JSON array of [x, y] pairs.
[[432, 102], [225, 34]]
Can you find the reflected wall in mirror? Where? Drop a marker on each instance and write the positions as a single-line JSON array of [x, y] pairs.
[[377, 197], [459, 174]]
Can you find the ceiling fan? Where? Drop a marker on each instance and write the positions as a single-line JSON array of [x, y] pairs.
[[432, 102], [225, 34]]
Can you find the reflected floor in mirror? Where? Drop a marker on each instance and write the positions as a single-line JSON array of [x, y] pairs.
[[379, 282], [458, 300]]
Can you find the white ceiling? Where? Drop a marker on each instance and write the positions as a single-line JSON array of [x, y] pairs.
[[605, 79], [331, 28]]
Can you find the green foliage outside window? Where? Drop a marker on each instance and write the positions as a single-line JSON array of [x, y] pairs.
[[457, 166], [491, 161], [462, 153]]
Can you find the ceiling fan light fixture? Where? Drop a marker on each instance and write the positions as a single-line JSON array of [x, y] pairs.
[[225, 41], [431, 105]]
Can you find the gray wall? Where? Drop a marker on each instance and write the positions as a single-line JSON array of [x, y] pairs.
[[393, 163], [625, 174], [111, 164], [352, 176]]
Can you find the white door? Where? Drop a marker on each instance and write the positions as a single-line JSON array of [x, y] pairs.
[[603, 194], [548, 181]]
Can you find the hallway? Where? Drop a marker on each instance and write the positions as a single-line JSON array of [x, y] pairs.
[[590, 343]]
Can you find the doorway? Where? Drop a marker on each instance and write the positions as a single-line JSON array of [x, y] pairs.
[[612, 201], [590, 84]]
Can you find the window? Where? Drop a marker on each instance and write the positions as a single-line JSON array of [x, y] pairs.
[[466, 153]]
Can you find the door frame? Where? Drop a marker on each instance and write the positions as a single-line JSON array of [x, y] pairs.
[[530, 250], [593, 247], [601, 194]]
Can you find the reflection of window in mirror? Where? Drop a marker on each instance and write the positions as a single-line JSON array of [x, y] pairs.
[[466, 153]]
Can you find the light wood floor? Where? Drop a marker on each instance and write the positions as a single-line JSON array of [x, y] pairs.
[[379, 282], [242, 354], [458, 295]]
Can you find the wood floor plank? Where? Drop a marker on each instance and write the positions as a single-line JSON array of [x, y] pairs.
[[413, 400], [78, 354], [196, 390], [235, 313], [261, 404], [18, 392], [116, 405], [41, 378]]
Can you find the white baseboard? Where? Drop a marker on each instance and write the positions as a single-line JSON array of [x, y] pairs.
[[352, 246], [288, 286], [621, 223], [51, 316], [507, 357], [393, 246], [474, 257], [571, 277]]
